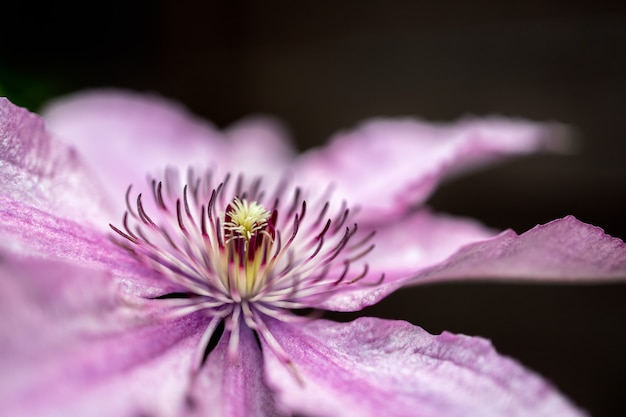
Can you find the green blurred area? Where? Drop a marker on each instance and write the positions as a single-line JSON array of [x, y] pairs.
[[27, 90]]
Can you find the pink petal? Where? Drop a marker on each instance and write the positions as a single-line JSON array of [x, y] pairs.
[[403, 249], [41, 172], [260, 146], [126, 136], [426, 248], [227, 388], [30, 232], [373, 367], [386, 166], [71, 347], [564, 250]]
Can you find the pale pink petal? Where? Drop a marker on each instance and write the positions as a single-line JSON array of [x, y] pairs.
[[41, 172], [126, 136], [386, 166], [564, 250], [259, 146], [374, 367], [30, 232], [232, 388], [70, 347], [427, 248], [403, 248]]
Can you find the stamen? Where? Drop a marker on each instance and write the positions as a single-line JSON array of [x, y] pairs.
[[227, 253], [124, 235], [232, 325], [129, 208], [155, 194], [294, 205], [187, 209], [179, 217], [142, 213]]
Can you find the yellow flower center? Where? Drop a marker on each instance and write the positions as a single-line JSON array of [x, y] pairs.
[[245, 219], [248, 239]]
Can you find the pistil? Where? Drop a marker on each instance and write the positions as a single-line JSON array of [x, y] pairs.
[[249, 235]]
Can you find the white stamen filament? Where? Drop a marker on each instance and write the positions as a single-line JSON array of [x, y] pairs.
[[240, 262]]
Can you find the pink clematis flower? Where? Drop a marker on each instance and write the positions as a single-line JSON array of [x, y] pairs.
[[186, 304]]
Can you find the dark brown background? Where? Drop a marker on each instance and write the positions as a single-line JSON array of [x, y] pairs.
[[322, 66]]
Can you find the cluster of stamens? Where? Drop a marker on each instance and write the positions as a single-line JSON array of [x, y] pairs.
[[240, 256]]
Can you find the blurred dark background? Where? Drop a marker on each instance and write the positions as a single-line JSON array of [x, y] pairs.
[[323, 66]]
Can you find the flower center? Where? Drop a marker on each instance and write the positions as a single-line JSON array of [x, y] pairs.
[[244, 219], [249, 234], [241, 258]]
